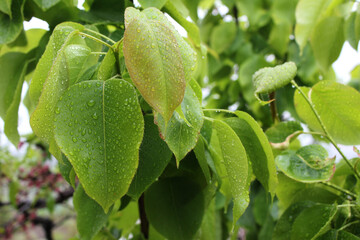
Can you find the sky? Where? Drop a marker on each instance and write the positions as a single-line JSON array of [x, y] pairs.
[[348, 59]]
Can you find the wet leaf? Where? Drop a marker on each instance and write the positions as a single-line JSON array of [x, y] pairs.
[[150, 44], [283, 227], [312, 221], [90, 216], [107, 68], [236, 164], [66, 70], [65, 169], [267, 80], [308, 164], [63, 35], [337, 105], [188, 55], [199, 151], [153, 158], [179, 135], [180, 201], [257, 149], [99, 127], [282, 133]]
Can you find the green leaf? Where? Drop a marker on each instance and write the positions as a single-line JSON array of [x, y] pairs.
[[149, 44], [283, 227], [11, 119], [11, 25], [90, 216], [125, 220], [105, 12], [279, 37], [188, 55], [283, 11], [246, 71], [46, 4], [350, 30], [99, 127], [308, 164], [190, 27], [327, 41], [222, 36], [107, 67], [282, 133], [312, 222], [267, 80], [236, 164], [199, 151], [257, 149], [65, 71], [63, 35], [308, 12], [357, 26], [346, 235], [66, 168], [33, 39], [181, 137], [153, 158], [5, 7], [152, 3], [258, 17], [180, 201], [211, 228], [197, 89], [337, 105], [13, 67]]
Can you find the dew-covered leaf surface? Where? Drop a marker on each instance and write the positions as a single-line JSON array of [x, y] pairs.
[[99, 127]]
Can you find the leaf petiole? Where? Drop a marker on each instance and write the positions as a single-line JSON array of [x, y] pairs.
[[97, 40], [339, 189], [100, 35], [324, 128], [98, 53]]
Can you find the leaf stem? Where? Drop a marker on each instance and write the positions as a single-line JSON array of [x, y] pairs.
[[97, 40], [274, 114], [349, 224], [209, 119], [98, 53], [144, 223], [101, 35], [219, 110], [324, 128], [339, 189], [347, 205]]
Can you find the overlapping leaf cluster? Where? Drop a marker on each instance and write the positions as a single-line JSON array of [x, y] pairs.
[[137, 115]]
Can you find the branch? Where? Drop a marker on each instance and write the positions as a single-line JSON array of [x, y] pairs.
[[144, 223]]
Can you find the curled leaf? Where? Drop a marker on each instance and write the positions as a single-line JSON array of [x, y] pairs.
[[281, 134], [268, 79], [308, 164]]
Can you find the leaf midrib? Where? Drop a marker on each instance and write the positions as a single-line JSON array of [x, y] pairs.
[[104, 134]]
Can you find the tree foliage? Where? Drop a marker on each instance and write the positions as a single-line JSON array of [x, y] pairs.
[[188, 131]]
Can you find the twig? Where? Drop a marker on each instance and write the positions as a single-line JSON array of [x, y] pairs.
[[144, 223]]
